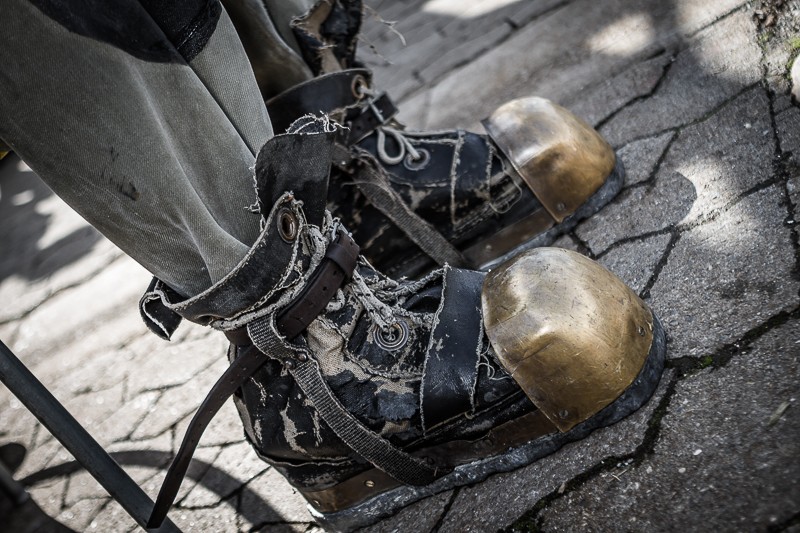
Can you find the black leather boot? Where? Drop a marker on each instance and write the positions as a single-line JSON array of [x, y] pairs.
[[369, 393], [415, 200]]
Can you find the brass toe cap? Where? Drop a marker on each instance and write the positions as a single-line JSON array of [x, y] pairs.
[[572, 335], [561, 158]]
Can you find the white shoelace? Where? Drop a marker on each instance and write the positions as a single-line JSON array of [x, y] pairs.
[[384, 129]]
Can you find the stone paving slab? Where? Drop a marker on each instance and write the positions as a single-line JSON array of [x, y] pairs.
[[745, 256], [562, 54], [718, 63], [724, 438], [695, 97], [707, 166]]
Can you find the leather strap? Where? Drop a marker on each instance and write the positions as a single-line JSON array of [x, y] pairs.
[[336, 267], [237, 373]]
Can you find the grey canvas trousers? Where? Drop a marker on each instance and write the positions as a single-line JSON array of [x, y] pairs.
[[146, 117]]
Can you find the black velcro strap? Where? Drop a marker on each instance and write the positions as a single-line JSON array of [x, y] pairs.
[[451, 364]]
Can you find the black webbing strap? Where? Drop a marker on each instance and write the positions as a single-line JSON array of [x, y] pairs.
[[362, 440], [336, 267], [386, 199]]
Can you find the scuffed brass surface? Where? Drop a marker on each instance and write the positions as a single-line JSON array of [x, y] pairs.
[[561, 158], [569, 331]]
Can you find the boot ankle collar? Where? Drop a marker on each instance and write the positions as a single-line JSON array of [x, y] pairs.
[[242, 291], [255, 279], [329, 93], [335, 269]]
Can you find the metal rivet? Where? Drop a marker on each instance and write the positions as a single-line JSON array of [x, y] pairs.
[[359, 84], [420, 162], [288, 227], [302, 358], [561, 207], [289, 364], [564, 414], [392, 338], [369, 483]]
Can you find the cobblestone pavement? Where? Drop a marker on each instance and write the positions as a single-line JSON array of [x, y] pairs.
[[695, 97]]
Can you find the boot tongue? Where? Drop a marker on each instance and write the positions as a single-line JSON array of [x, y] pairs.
[[328, 34], [297, 162]]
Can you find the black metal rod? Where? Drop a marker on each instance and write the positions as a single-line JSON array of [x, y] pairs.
[[63, 426], [13, 489]]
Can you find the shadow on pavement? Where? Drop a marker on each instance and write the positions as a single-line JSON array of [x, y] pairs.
[[223, 484], [23, 224]]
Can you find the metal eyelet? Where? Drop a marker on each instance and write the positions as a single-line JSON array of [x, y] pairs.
[[358, 85], [288, 226], [392, 338], [419, 163]]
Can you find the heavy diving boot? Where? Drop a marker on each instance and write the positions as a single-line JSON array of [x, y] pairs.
[[370, 393], [418, 199]]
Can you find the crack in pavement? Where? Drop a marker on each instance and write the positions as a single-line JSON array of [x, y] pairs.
[[780, 162], [445, 511], [705, 218], [704, 117], [793, 520], [515, 27], [683, 367], [657, 166], [720, 18], [531, 522], [687, 366], [664, 71], [662, 262]]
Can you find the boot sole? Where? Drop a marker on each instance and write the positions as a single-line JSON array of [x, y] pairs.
[[388, 503], [610, 189]]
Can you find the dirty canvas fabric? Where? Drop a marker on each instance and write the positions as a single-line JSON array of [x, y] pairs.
[[146, 117]]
